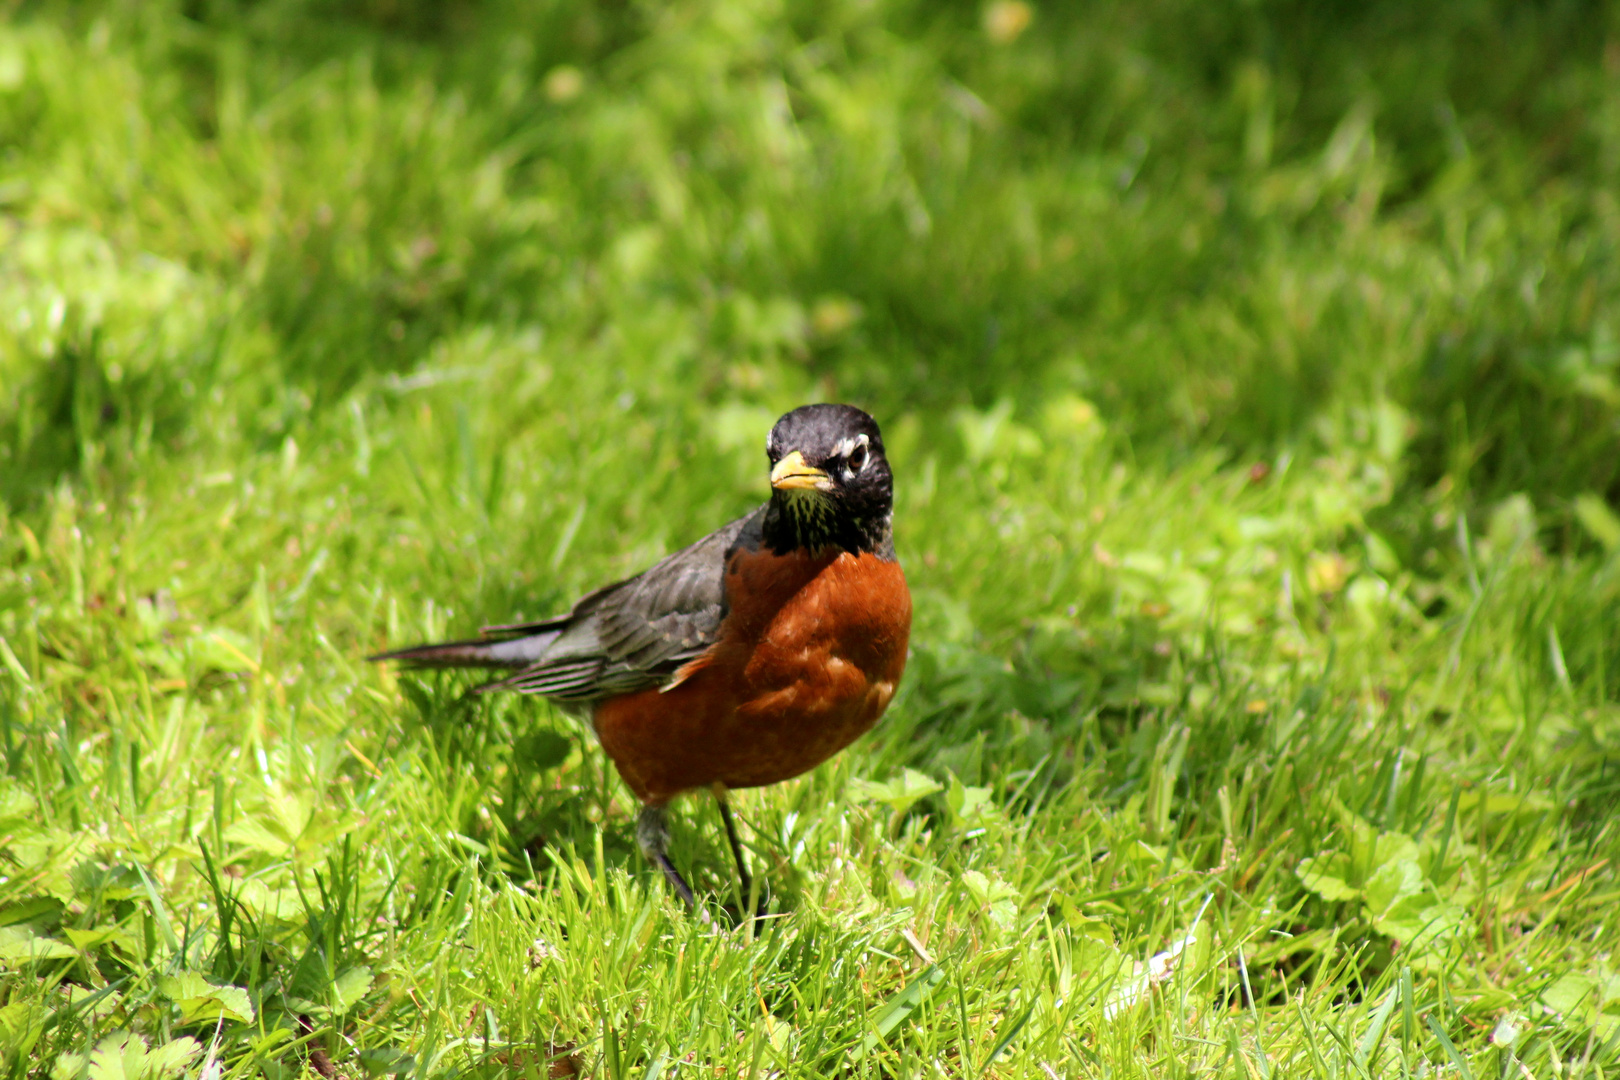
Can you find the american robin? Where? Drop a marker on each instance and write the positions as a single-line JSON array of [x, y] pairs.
[[745, 659]]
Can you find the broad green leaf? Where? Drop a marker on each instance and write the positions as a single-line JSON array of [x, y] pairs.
[[1598, 519], [1418, 923], [1146, 563], [1391, 883], [1259, 528], [1571, 996], [267, 903], [386, 1060], [1098, 960], [968, 807], [124, 1056], [1088, 926], [349, 987], [172, 1056], [899, 794], [16, 805], [226, 1003], [115, 881], [1380, 556], [1325, 875], [186, 984], [49, 854], [324, 828], [19, 944], [120, 1056], [1496, 803], [291, 812], [541, 750], [199, 999], [1512, 523], [100, 935], [1392, 847], [168, 661], [252, 833], [999, 899], [34, 908], [986, 889], [21, 1025]]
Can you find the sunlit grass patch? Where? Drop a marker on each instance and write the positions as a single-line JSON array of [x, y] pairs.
[[1256, 484]]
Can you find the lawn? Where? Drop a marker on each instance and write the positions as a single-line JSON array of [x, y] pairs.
[[1251, 375]]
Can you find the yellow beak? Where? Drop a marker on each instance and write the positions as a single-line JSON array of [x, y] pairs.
[[792, 474]]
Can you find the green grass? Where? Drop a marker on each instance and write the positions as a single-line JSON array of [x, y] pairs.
[[1251, 377]]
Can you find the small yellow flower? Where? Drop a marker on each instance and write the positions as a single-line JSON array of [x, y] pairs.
[[1326, 573], [563, 83], [1005, 20]]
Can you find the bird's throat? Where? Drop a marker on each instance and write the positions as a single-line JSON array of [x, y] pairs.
[[811, 520]]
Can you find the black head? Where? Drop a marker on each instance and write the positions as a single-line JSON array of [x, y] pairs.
[[830, 481]]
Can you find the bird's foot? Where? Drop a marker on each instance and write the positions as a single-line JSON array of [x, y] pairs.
[[652, 837], [745, 881]]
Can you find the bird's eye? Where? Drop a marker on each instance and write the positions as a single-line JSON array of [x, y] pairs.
[[857, 458]]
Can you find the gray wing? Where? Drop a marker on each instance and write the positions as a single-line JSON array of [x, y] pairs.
[[633, 634]]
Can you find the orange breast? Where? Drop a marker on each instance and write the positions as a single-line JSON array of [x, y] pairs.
[[808, 659]]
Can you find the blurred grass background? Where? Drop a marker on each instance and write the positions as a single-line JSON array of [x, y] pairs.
[[1252, 378]]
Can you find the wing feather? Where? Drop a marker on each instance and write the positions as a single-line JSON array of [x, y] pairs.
[[632, 634]]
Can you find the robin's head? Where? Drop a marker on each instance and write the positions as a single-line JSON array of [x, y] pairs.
[[830, 480]]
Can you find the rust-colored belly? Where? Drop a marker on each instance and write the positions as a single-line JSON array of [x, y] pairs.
[[811, 653]]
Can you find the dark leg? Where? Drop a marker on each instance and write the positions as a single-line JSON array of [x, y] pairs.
[[722, 797], [652, 836]]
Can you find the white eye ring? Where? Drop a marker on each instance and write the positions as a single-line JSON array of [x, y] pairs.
[[849, 451]]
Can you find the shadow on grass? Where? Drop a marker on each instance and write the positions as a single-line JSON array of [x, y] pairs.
[[539, 788]]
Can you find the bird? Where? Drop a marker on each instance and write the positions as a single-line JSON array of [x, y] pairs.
[[740, 661]]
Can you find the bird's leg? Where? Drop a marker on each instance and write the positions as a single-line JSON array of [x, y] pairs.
[[652, 837], [723, 797]]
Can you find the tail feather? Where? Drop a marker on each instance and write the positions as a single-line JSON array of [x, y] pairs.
[[524, 629], [474, 653]]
